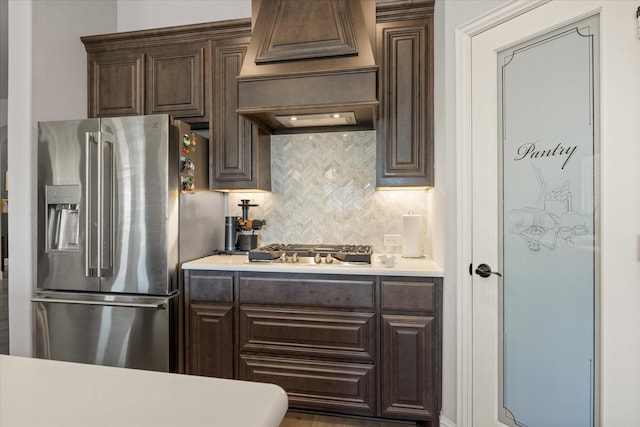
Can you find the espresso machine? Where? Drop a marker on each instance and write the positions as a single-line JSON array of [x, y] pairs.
[[240, 232]]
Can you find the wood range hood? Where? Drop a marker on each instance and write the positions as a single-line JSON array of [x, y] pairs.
[[310, 66]]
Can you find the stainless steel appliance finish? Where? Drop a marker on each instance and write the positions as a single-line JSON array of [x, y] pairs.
[[113, 228], [131, 331]]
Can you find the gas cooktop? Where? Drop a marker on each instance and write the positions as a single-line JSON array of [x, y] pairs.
[[321, 253]]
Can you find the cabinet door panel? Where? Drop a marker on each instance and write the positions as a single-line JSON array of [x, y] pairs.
[[116, 84], [408, 374], [308, 333], [243, 150], [210, 342], [405, 125], [175, 81], [337, 387], [232, 133]]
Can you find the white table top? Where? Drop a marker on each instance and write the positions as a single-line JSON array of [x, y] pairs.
[[36, 392], [416, 267]]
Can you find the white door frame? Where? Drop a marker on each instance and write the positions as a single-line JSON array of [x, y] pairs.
[[464, 189]]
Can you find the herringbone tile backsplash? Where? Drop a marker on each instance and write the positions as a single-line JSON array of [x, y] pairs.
[[323, 191]]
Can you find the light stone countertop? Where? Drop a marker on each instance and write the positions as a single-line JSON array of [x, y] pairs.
[[412, 267], [38, 392]]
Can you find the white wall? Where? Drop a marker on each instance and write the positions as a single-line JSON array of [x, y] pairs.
[[145, 14], [620, 205], [4, 5], [19, 127]]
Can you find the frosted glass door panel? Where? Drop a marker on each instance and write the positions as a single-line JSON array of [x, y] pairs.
[[549, 228]]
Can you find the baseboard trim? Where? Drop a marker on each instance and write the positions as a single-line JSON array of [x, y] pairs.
[[445, 422]]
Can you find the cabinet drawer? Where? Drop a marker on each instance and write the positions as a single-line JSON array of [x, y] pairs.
[[408, 296], [210, 286], [326, 334], [337, 387], [307, 290]]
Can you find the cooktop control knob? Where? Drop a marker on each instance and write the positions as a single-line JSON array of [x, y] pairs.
[[317, 258], [329, 259], [294, 257]]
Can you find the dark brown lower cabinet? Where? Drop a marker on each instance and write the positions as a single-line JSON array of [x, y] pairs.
[[314, 335], [353, 345], [211, 340], [308, 332], [209, 323], [321, 385], [411, 349], [324, 359], [408, 375]]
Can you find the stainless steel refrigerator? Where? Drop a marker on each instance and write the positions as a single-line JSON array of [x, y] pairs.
[[117, 215]]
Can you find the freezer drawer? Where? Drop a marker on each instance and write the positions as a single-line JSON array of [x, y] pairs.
[[113, 330]]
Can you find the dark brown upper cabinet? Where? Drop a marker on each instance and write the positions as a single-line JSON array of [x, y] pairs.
[[190, 73], [132, 74], [175, 80], [404, 51], [152, 80], [116, 84], [163, 70], [242, 149], [194, 72]]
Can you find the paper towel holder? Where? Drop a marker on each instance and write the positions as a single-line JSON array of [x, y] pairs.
[[412, 236]]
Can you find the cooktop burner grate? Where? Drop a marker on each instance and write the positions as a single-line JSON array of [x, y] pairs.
[[345, 253]]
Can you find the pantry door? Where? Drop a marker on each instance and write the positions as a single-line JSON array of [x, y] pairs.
[[534, 143]]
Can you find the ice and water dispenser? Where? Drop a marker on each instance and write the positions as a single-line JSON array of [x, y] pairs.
[[63, 218]]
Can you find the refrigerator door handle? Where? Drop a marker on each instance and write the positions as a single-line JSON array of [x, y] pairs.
[[162, 305], [105, 204], [90, 218]]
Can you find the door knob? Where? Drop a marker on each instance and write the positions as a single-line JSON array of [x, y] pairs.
[[484, 270]]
